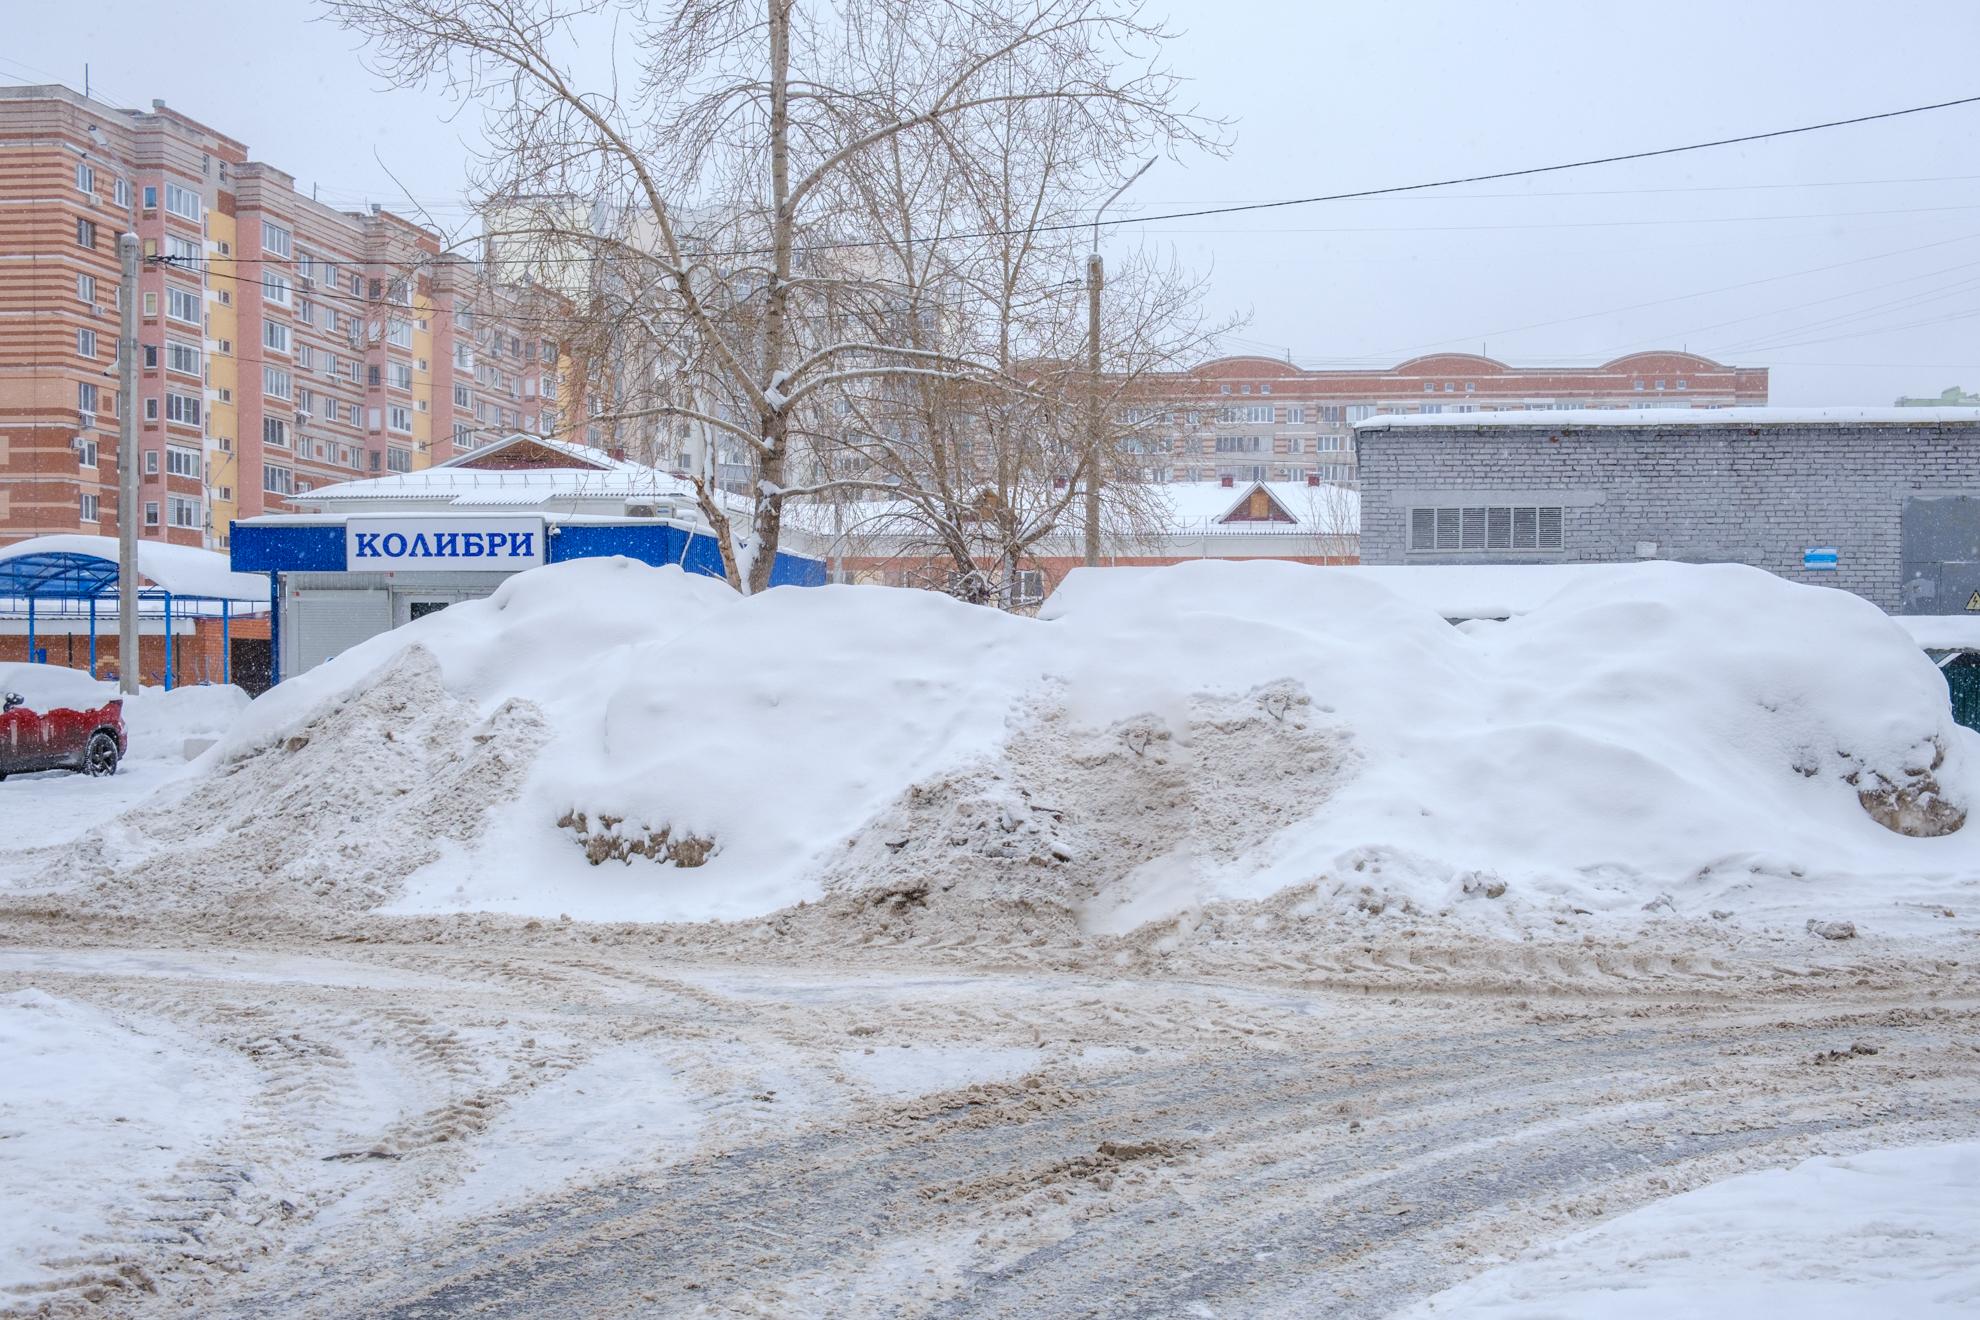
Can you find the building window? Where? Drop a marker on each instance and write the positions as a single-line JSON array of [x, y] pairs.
[[182, 202], [399, 418], [85, 232], [86, 288], [86, 399], [181, 462], [400, 375], [275, 431], [182, 408], [398, 460], [90, 508], [1238, 444], [1682, 385], [277, 480], [182, 511], [277, 383], [1485, 528], [1638, 384], [398, 332], [151, 357], [151, 513], [86, 343], [275, 335], [275, 239], [181, 249], [1429, 387], [151, 197], [1361, 412], [151, 410], [181, 357], [182, 305], [85, 452], [85, 178], [122, 192], [275, 287]]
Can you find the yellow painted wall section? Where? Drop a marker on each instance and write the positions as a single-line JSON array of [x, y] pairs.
[[424, 404], [222, 373]]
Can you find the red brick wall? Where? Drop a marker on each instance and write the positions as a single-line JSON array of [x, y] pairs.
[[196, 658]]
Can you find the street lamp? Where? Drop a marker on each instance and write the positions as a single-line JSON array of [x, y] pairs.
[[1095, 277]]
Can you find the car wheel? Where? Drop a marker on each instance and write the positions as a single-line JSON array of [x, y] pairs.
[[101, 756]]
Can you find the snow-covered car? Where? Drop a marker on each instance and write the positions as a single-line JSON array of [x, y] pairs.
[[52, 718]]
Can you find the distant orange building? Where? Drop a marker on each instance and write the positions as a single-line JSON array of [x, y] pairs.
[[1260, 419]]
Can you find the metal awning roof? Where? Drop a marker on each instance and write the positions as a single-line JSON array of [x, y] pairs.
[[77, 567]]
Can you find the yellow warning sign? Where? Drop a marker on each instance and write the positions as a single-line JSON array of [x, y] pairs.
[[1973, 603]]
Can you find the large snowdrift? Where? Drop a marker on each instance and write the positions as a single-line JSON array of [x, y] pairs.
[[1697, 739]]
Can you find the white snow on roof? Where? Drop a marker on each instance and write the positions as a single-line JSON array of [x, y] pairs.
[[1199, 507], [1942, 632], [1679, 417], [569, 448], [468, 487], [183, 570]]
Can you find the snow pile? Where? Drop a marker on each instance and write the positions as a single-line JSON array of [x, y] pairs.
[[55, 687], [161, 725], [1888, 1233], [96, 1122], [619, 742]]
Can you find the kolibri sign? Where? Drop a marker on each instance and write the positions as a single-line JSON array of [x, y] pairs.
[[447, 545]]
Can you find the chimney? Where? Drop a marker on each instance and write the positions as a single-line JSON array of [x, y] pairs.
[[618, 452], [1227, 482], [1313, 478]]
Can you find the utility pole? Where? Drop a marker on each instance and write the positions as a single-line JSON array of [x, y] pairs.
[[127, 472], [1096, 276]]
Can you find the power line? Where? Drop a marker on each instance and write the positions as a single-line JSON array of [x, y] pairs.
[[1389, 191]]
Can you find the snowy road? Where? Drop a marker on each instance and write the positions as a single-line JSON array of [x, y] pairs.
[[592, 1120]]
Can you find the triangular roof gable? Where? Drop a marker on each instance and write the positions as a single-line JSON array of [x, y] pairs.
[[522, 450], [1257, 504]]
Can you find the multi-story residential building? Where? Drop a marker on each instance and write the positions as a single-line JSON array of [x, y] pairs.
[[283, 344], [1260, 419]]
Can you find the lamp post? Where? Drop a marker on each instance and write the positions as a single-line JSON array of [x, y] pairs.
[[127, 473], [1096, 277]]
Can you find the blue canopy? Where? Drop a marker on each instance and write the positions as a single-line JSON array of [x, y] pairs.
[[65, 569]]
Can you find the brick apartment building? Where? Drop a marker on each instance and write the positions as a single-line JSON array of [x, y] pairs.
[[1259, 419], [284, 344]]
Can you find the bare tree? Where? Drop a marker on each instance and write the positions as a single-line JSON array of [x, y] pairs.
[[980, 264], [710, 153]]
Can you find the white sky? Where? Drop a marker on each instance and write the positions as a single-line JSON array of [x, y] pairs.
[[1349, 94]]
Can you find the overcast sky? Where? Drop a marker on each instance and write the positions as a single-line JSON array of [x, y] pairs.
[[1859, 248]]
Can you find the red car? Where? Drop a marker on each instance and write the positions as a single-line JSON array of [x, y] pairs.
[[68, 721]]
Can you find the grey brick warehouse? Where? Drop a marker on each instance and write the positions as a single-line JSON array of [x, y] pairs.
[[1894, 492]]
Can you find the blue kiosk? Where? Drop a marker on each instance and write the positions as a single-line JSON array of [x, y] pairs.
[[380, 553]]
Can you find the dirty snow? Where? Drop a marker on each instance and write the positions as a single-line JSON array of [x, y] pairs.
[[1685, 741], [96, 1119], [1891, 1234]]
